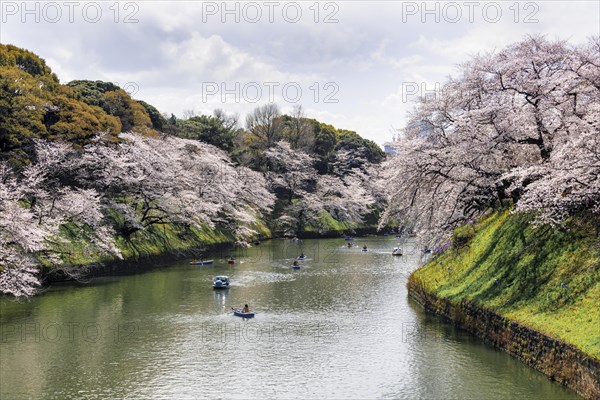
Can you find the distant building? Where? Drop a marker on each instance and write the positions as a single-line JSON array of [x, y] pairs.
[[417, 128], [389, 148]]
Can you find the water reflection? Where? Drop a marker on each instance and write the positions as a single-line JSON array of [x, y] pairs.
[[342, 327]]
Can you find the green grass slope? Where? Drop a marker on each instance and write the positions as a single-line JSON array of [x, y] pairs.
[[77, 250], [547, 279], [327, 224]]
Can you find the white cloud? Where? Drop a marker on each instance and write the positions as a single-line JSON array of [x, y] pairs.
[[372, 53]]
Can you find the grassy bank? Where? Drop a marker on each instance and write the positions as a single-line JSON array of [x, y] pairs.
[[80, 257], [546, 279], [326, 225]]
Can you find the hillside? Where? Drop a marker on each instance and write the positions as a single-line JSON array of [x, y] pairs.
[[547, 279], [90, 176], [35, 105]]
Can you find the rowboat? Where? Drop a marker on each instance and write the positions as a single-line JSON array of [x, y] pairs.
[[221, 282], [397, 251], [295, 266], [238, 312], [201, 262], [301, 257]]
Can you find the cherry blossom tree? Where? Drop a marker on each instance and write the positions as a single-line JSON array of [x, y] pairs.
[[173, 180], [520, 123], [34, 205], [19, 238], [146, 180], [347, 196]]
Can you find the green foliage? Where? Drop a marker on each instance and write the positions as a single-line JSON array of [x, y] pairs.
[[158, 121], [92, 92], [208, 129], [12, 56], [155, 240], [547, 279], [326, 223], [325, 138], [134, 115], [34, 105], [75, 247], [462, 235], [350, 140], [21, 113], [169, 238], [76, 122]]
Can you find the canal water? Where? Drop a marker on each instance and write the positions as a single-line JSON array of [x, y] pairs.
[[340, 327]]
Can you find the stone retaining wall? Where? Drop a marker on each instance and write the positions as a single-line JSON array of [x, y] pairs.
[[558, 360]]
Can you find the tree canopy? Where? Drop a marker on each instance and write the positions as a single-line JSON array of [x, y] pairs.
[[88, 159], [519, 124], [35, 105]]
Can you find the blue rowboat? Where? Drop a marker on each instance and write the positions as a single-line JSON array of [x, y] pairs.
[[221, 282], [207, 262], [295, 266], [239, 313]]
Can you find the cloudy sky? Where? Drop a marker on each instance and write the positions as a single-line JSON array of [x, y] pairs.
[[355, 64]]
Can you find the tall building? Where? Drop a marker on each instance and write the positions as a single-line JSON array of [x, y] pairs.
[[420, 129], [389, 148]]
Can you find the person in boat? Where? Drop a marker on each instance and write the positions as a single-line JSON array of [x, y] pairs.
[[231, 258], [349, 244], [302, 255], [246, 309], [295, 262], [365, 247]]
